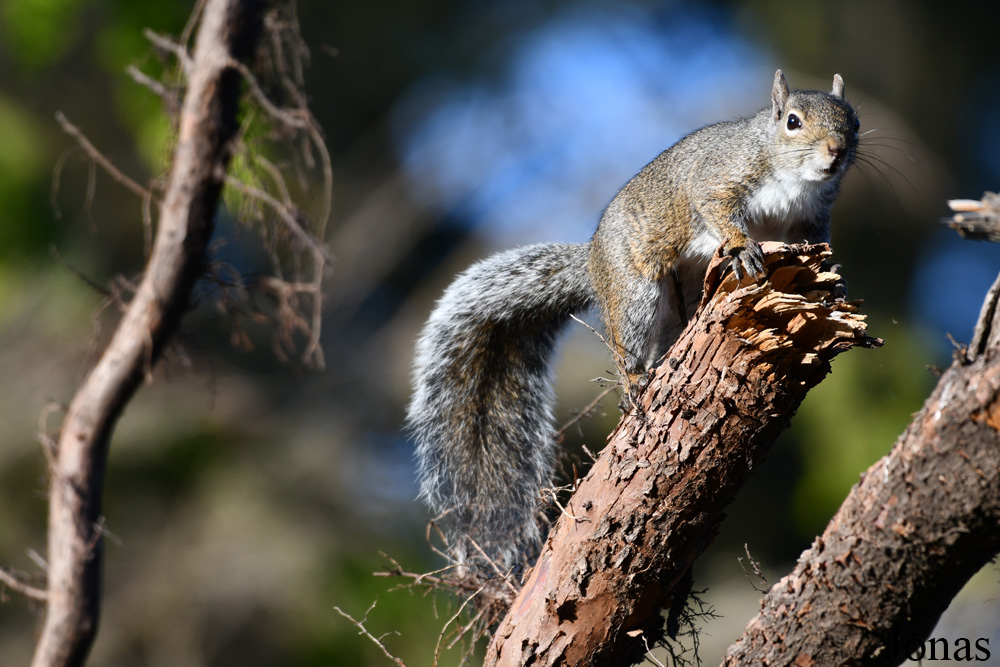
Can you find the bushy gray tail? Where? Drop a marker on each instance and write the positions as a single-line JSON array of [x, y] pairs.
[[482, 407]]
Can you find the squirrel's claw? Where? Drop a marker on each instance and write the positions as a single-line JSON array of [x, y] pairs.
[[747, 260]]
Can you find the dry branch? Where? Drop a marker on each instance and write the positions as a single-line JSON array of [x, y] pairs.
[[917, 526], [228, 30], [15, 582], [976, 219], [100, 159], [654, 498]]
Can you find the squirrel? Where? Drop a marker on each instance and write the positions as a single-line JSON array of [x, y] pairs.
[[481, 412]]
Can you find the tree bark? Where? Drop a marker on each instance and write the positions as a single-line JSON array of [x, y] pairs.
[[653, 500], [917, 526], [228, 31]]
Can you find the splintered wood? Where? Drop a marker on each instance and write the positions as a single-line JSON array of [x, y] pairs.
[[652, 502]]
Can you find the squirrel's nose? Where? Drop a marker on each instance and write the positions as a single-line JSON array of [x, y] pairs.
[[834, 148]]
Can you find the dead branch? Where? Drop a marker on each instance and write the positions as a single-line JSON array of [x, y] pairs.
[[290, 215], [99, 158], [755, 567], [147, 81], [228, 30], [16, 583], [364, 631], [917, 526], [655, 496], [170, 46], [977, 219]]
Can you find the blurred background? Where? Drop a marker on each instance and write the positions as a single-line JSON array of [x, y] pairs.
[[247, 496]]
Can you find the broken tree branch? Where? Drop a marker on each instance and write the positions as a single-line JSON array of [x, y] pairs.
[[655, 496], [918, 525], [977, 219]]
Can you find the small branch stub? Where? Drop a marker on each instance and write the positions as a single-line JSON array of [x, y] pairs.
[[654, 498], [977, 219]]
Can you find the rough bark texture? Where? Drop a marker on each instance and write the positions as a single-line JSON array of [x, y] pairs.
[[919, 523], [229, 29], [653, 500]]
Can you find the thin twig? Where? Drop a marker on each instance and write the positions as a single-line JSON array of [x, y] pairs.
[[465, 629], [454, 617], [649, 653], [276, 176], [170, 46], [563, 510], [496, 568], [755, 566], [38, 560], [99, 158], [284, 212], [586, 410], [364, 631], [144, 79], [94, 285], [185, 39], [13, 582], [297, 118], [47, 441], [432, 525], [320, 255]]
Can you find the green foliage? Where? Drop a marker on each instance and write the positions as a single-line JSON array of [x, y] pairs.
[[25, 164], [39, 33], [21, 158]]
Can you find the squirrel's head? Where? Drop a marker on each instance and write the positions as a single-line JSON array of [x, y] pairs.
[[815, 133]]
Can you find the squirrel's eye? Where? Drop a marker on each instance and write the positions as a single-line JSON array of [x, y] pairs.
[[793, 122]]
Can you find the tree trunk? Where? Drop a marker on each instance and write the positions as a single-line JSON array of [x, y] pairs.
[[653, 501]]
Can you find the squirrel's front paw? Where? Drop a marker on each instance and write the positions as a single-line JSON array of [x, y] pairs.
[[748, 260]]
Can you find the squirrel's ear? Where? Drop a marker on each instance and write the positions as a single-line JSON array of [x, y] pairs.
[[838, 86], [779, 95]]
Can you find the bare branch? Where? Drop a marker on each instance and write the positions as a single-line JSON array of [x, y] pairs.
[[976, 219], [99, 158], [297, 118], [454, 617], [586, 411], [290, 215], [75, 548], [14, 582], [755, 566], [170, 46], [143, 79], [364, 631]]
